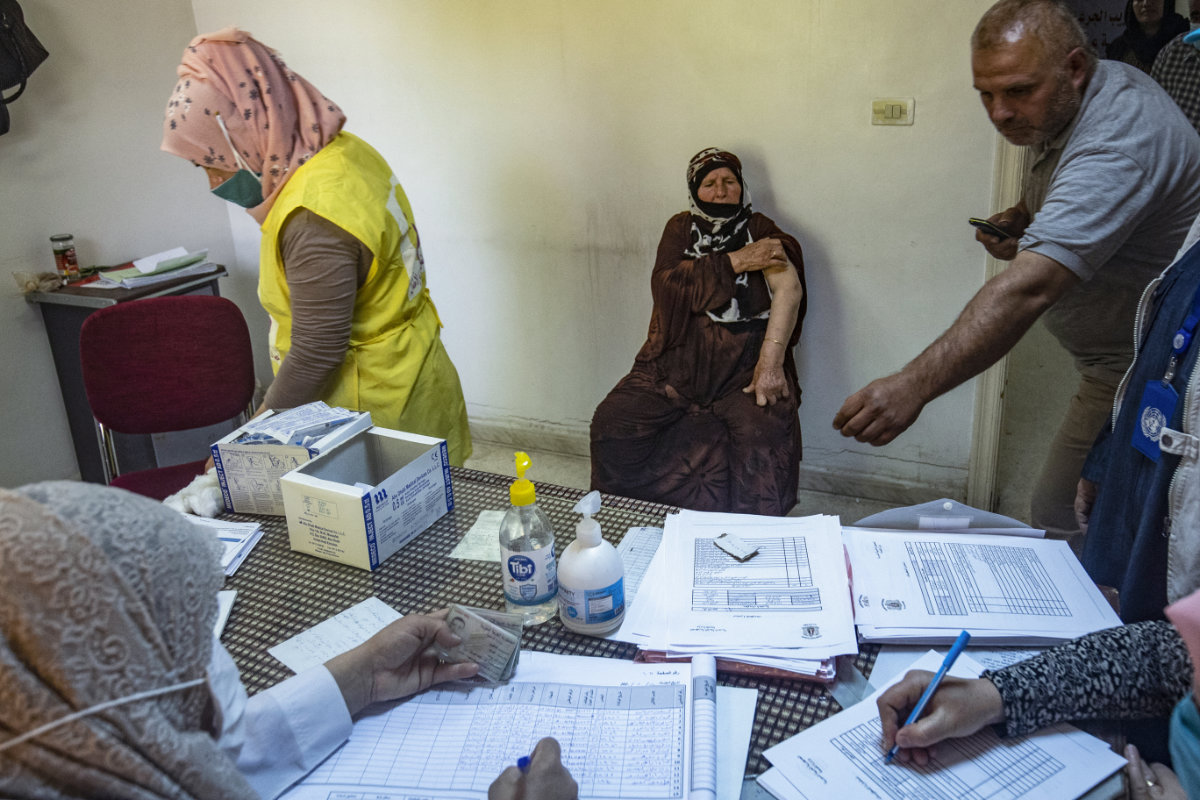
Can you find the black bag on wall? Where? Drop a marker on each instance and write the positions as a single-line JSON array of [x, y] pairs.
[[20, 55]]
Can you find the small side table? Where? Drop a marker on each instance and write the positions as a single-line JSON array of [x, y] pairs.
[[63, 311]]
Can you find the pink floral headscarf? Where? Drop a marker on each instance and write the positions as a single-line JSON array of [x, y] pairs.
[[276, 119]]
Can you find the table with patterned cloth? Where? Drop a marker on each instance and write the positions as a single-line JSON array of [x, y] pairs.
[[281, 593]]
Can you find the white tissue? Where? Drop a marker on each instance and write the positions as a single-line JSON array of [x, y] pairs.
[[201, 497]]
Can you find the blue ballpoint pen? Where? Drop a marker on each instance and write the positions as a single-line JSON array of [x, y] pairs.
[[947, 663]]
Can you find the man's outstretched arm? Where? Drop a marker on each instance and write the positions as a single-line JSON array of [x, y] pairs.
[[992, 322]]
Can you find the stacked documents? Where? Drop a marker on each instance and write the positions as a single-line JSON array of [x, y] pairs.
[[925, 587], [782, 601], [299, 426], [842, 757], [159, 267], [238, 538]]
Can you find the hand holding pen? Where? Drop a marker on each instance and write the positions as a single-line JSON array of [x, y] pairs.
[[538, 776], [956, 708]]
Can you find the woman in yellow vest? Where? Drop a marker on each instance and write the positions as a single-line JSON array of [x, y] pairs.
[[340, 266]]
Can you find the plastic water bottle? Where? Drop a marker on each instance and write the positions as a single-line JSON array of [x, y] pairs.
[[591, 577], [528, 570]]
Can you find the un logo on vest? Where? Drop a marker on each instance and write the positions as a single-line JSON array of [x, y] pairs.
[[1152, 423]]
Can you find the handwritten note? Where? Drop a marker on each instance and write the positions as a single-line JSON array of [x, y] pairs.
[[335, 635], [482, 542]]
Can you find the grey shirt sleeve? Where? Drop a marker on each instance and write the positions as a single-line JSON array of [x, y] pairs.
[[324, 266], [1128, 672], [1095, 201]]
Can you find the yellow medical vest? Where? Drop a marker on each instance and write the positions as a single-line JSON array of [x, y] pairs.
[[395, 365]]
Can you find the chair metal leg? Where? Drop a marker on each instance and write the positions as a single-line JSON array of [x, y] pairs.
[[108, 451]]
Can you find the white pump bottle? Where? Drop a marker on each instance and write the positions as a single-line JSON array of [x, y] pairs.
[[591, 577]]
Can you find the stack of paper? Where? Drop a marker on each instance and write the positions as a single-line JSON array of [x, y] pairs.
[[787, 607], [924, 587], [843, 757], [300, 426], [239, 539], [167, 265]]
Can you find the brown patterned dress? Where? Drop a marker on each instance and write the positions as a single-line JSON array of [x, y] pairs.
[[678, 429]]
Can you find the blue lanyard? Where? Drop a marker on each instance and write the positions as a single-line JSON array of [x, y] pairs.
[[1183, 338]]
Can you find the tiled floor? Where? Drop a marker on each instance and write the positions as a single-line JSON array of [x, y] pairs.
[[575, 471]]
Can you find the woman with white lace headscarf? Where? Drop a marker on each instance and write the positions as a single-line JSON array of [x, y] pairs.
[[112, 684]]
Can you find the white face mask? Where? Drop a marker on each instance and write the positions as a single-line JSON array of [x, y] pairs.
[[229, 701]]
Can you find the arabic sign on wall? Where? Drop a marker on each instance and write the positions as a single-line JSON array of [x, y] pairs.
[[1103, 20]]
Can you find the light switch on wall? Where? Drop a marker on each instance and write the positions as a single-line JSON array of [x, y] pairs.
[[892, 111]]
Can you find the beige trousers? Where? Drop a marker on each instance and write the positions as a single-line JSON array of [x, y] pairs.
[[1052, 506]]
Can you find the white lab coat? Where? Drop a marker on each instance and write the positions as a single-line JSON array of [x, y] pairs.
[[279, 735]]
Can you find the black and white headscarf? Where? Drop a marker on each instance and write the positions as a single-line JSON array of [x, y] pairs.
[[723, 228], [716, 227]]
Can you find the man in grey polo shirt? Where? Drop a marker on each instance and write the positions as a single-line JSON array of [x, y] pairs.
[[1114, 187]]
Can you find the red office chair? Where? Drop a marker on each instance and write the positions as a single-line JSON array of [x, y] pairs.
[[164, 364]]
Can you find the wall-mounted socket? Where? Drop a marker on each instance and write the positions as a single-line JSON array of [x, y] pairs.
[[892, 111]]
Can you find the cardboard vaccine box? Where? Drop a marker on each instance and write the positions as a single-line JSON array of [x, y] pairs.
[[363, 501], [249, 473]]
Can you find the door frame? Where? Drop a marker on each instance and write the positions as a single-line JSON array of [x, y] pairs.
[[1008, 178]]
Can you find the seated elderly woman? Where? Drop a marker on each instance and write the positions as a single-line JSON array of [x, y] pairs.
[[113, 685], [707, 419]]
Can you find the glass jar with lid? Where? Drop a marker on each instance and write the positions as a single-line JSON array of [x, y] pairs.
[[65, 261]]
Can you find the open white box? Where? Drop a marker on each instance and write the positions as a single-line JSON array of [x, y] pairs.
[[364, 500], [249, 473]]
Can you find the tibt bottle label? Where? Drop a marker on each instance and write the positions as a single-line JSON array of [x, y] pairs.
[[530, 576]]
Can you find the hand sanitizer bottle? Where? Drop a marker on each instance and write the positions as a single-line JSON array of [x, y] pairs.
[[527, 567], [591, 577]]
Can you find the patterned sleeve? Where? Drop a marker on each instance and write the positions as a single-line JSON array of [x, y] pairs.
[[1128, 672], [682, 286]]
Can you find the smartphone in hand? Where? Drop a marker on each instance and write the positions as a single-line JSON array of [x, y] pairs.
[[990, 228]]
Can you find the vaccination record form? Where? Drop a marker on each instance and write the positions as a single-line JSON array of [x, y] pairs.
[[625, 731]]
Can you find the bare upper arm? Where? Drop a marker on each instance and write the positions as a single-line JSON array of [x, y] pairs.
[[783, 280]]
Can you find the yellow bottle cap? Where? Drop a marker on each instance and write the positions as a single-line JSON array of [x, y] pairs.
[[521, 492]]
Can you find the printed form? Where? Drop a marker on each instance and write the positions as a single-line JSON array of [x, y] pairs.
[[626, 731], [637, 549], [794, 590], [844, 754], [1029, 589]]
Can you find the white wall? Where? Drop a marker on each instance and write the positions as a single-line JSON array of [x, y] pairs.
[[543, 146], [82, 157]]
